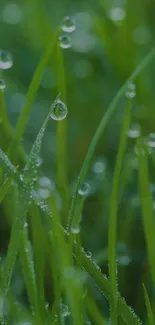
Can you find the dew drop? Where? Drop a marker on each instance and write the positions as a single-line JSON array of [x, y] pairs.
[[75, 229], [84, 189], [99, 166], [2, 84], [134, 131], [131, 90], [6, 60], [68, 24], [46, 305], [64, 310], [25, 225], [65, 41], [88, 254], [59, 111], [151, 140]]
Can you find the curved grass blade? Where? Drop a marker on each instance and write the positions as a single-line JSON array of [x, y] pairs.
[[148, 306], [112, 238], [4, 188], [101, 128], [146, 205], [33, 88]]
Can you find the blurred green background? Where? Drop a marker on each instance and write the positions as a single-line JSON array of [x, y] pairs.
[[111, 38]]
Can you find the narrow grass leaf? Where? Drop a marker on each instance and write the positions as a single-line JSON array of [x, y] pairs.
[[148, 306], [33, 88], [112, 238], [102, 126], [146, 205]]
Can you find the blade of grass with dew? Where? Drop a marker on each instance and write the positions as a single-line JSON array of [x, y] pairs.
[[68, 276], [33, 88], [29, 274], [11, 253], [30, 170], [102, 126], [112, 236], [39, 249], [4, 188], [99, 279], [61, 139], [146, 206], [8, 166], [148, 306], [103, 284]]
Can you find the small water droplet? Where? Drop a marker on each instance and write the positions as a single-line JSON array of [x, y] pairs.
[[26, 250], [134, 131], [6, 61], [131, 90], [84, 189], [151, 140], [68, 24], [59, 111], [2, 84], [64, 310], [88, 254], [46, 305], [25, 225], [99, 166], [65, 41], [75, 229]]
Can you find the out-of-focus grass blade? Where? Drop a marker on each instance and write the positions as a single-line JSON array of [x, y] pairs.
[[146, 205], [33, 88], [148, 306], [94, 311], [61, 138], [4, 188], [4, 121], [112, 238], [102, 126]]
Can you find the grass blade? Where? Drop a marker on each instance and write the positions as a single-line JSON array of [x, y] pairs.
[[61, 138], [113, 213], [146, 206], [33, 88], [148, 306], [102, 126]]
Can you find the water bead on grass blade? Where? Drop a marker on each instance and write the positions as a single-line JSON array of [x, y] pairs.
[[6, 60], [151, 140], [65, 42], [134, 131], [131, 90], [88, 254], [59, 111], [75, 229], [2, 84], [68, 24], [84, 189]]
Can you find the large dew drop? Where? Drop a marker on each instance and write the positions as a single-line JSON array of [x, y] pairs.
[[59, 111], [75, 229], [131, 90], [151, 140], [2, 84], [84, 189], [65, 42], [68, 24], [6, 60]]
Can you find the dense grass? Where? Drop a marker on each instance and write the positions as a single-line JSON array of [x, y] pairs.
[[60, 238]]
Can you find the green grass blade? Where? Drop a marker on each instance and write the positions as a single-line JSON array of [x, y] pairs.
[[61, 139], [104, 286], [94, 311], [102, 126], [4, 121], [148, 306], [146, 206], [113, 212], [9, 167], [33, 88], [31, 168], [4, 188]]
